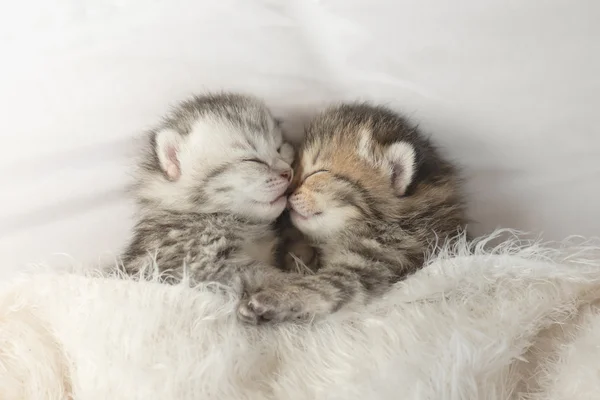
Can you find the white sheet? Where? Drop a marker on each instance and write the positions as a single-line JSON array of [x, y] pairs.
[[509, 88]]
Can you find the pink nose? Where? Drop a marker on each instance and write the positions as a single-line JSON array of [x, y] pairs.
[[287, 175]]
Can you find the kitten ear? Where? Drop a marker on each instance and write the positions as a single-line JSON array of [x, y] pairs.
[[167, 147], [402, 157]]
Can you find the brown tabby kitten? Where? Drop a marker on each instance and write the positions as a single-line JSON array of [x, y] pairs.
[[373, 194]]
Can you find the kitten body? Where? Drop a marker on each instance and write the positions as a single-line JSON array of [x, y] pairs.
[[207, 247], [209, 187], [372, 194]]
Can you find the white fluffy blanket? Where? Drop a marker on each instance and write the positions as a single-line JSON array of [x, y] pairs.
[[517, 322]]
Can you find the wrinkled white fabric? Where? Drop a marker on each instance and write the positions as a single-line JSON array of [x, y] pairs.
[[510, 89]]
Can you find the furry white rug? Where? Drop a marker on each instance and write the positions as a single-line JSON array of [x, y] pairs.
[[516, 322]]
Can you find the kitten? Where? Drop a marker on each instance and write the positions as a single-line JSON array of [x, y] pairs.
[[372, 194], [210, 185]]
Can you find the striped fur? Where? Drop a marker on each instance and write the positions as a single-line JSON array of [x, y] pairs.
[[210, 184], [372, 193]]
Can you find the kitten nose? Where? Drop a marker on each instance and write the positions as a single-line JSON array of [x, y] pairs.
[[287, 175]]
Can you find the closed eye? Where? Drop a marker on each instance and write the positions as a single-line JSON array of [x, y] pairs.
[[254, 160], [313, 173]]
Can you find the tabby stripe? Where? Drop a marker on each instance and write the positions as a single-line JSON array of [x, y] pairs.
[[225, 253], [217, 171], [345, 282], [363, 191], [317, 154], [371, 278]]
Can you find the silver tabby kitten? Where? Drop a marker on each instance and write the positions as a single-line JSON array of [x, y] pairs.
[[210, 185], [372, 193]]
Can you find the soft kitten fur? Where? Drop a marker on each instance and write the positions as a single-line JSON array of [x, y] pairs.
[[210, 185], [373, 194], [294, 253]]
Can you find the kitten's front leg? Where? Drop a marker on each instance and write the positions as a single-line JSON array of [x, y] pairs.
[[282, 302], [296, 297], [303, 298], [270, 305], [267, 294]]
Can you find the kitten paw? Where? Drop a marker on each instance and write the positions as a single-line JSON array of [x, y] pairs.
[[270, 306]]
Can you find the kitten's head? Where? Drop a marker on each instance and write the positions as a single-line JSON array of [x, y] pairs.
[[360, 165], [217, 153]]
